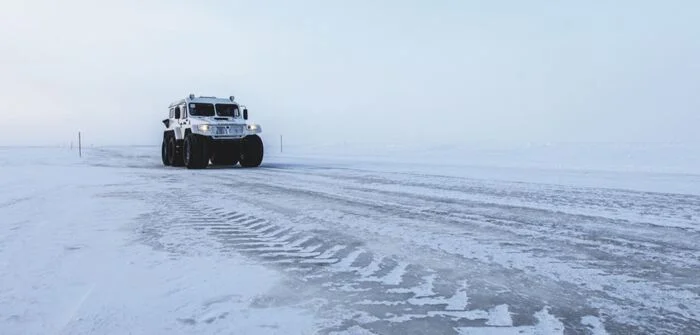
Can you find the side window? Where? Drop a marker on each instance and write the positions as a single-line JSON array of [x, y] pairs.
[[172, 112]]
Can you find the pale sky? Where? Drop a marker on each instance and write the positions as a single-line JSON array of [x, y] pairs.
[[454, 72]]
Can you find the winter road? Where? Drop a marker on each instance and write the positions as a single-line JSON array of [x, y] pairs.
[[376, 251]]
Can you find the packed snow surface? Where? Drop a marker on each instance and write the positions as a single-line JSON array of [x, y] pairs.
[[326, 243]]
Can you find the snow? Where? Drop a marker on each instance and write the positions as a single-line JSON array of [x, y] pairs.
[[547, 324], [541, 240], [69, 264], [347, 262], [391, 278], [658, 167], [597, 327], [354, 330], [500, 316], [420, 292]]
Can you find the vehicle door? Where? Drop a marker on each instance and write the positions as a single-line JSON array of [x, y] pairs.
[[180, 113]]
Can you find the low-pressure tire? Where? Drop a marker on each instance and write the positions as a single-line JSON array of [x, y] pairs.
[[164, 151], [251, 151], [195, 154], [174, 154]]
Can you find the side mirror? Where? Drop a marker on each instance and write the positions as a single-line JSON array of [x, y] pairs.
[[245, 114], [166, 122]]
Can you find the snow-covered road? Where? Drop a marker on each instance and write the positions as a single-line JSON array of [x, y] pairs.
[[114, 242]]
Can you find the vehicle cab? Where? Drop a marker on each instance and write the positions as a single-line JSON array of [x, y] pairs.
[[217, 118]]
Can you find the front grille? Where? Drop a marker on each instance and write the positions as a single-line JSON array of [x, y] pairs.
[[235, 129]]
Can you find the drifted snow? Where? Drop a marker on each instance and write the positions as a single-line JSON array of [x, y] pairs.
[[115, 243], [70, 263]]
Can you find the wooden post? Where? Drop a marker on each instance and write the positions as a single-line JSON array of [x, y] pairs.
[[80, 146]]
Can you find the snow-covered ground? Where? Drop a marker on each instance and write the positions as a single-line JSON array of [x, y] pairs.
[[380, 242]]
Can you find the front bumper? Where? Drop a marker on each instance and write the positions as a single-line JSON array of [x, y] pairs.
[[227, 131]]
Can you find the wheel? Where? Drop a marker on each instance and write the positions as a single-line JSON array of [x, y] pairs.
[[225, 154], [195, 155], [164, 151], [251, 151], [174, 155]]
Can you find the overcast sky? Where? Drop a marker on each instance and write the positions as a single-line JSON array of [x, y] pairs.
[[342, 71]]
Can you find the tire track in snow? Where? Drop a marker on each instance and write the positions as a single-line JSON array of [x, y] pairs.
[[281, 246], [625, 261], [362, 279], [386, 296]]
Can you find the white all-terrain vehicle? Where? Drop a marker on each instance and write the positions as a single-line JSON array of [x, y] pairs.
[[203, 129]]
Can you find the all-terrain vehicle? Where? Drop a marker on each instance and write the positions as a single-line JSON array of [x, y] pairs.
[[202, 129]]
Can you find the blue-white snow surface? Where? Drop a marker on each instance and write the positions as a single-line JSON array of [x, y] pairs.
[[361, 240]]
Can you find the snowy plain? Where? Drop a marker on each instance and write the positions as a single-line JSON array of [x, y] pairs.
[[352, 240]]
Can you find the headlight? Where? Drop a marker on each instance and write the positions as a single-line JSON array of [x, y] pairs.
[[203, 127], [254, 128]]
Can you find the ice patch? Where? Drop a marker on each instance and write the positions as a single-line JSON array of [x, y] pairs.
[[458, 301], [394, 277], [549, 322], [471, 315], [547, 325], [354, 330], [371, 268], [500, 316], [426, 289], [346, 263], [405, 317], [427, 301], [385, 303], [597, 327]]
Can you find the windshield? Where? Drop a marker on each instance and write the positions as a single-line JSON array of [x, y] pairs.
[[197, 109], [230, 110]]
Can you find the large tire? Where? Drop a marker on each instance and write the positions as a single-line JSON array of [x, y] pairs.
[[251, 151], [174, 153], [225, 154], [164, 151], [195, 153]]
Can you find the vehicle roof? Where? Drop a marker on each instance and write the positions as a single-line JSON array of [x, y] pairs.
[[204, 99]]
